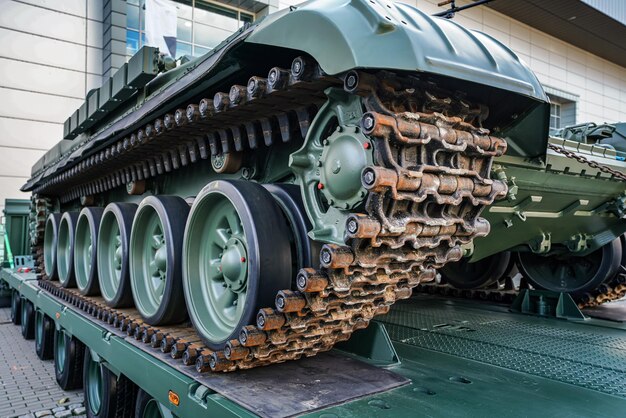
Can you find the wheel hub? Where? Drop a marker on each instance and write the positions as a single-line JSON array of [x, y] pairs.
[[344, 156], [233, 265]]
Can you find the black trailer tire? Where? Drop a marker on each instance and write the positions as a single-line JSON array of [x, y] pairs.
[[16, 308], [102, 391], [68, 361], [44, 336], [146, 406], [28, 320]]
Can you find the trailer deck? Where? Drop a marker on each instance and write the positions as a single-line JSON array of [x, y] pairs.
[[449, 357]]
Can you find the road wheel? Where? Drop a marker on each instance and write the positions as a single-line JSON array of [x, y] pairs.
[[237, 256], [44, 336], [155, 259], [68, 360], [113, 254], [85, 260], [51, 234], [65, 249]]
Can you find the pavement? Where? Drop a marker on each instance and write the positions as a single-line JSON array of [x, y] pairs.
[[27, 384]]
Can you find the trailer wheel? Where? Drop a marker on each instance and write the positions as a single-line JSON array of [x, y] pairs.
[[101, 390], [237, 256], [16, 308], [28, 320], [113, 254], [148, 407], [68, 360], [156, 242], [86, 240], [570, 273], [51, 235], [65, 249], [44, 336], [478, 275]]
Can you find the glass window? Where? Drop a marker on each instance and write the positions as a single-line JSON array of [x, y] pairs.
[[132, 42], [208, 35], [132, 17], [182, 49], [200, 27], [555, 115]]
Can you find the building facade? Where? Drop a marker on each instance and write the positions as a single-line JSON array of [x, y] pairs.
[[53, 52]]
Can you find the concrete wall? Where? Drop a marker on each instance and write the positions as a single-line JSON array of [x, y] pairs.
[[50, 56]]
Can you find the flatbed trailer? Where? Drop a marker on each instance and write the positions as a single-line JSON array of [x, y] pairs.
[[430, 356]]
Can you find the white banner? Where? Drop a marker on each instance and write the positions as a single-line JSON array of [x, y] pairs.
[[161, 26]]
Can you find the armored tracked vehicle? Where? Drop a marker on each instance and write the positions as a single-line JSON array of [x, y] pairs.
[[561, 222], [286, 188]]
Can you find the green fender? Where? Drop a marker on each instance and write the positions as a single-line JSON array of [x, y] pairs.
[[347, 34]]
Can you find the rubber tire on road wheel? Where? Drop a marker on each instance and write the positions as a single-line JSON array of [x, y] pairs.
[[16, 308], [146, 406], [65, 255], [85, 258], [44, 336], [268, 257], [28, 320], [171, 215], [51, 235], [112, 403], [116, 216], [479, 275], [69, 375]]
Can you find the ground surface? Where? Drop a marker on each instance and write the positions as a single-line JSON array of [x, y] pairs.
[[27, 384]]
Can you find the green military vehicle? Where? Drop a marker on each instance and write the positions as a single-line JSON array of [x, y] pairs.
[[262, 203]]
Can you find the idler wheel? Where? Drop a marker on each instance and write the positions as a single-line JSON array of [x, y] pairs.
[[51, 234], [113, 254], [65, 249], [237, 256], [155, 259], [571, 273], [85, 247], [479, 275]]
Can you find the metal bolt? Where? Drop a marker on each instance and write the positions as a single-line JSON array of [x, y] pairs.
[[260, 321], [280, 302], [301, 279], [351, 81], [368, 122], [352, 226], [326, 256], [243, 337], [369, 177]]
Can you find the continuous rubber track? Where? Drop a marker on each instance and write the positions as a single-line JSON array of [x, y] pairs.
[[426, 190]]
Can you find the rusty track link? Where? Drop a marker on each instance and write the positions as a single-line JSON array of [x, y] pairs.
[[425, 195]]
